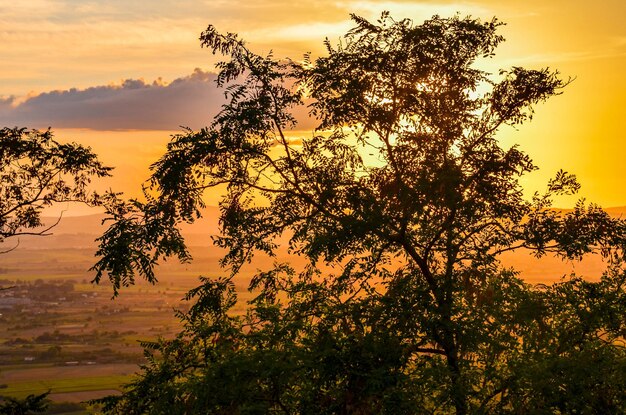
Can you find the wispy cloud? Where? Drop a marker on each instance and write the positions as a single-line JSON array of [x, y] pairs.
[[559, 57], [36, 8], [416, 10]]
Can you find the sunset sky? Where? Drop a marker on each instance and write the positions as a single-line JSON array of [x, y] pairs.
[[122, 75]]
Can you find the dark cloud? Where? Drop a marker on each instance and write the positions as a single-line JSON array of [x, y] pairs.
[[135, 104], [191, 101]]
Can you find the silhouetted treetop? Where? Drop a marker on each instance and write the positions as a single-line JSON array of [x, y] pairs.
[[407, 198]]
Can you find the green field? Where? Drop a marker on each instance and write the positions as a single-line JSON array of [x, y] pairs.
[[23, 389]]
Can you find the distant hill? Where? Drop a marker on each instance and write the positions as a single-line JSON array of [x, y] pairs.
[[71, 247], [617, 212], [81, 232]]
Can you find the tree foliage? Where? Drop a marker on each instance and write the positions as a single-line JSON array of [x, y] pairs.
[[32, 404], [401, 200], [36, 172]]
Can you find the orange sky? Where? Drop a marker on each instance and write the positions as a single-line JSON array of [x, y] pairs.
[[102, 58]]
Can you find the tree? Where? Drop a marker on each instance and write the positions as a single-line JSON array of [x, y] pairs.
[[32, 404], [401, 200], [37, 172]]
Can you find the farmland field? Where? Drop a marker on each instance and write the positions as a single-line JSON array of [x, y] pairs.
[[57, 386]]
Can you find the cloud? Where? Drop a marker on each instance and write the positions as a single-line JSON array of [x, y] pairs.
[[558, 57], [132, 105]]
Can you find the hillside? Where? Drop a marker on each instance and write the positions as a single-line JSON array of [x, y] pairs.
[[70, 247]]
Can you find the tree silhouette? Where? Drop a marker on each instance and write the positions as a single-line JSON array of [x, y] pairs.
[[401, 200], [37, 172], [32, 404]]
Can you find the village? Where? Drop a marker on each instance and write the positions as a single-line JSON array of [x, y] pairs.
[[66, 335]]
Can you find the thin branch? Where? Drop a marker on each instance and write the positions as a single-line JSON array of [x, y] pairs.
[[11, 249]]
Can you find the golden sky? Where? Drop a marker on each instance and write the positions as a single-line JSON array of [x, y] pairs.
[[121, 75]]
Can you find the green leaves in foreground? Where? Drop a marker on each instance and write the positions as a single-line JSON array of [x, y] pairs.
[[32, 404]]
